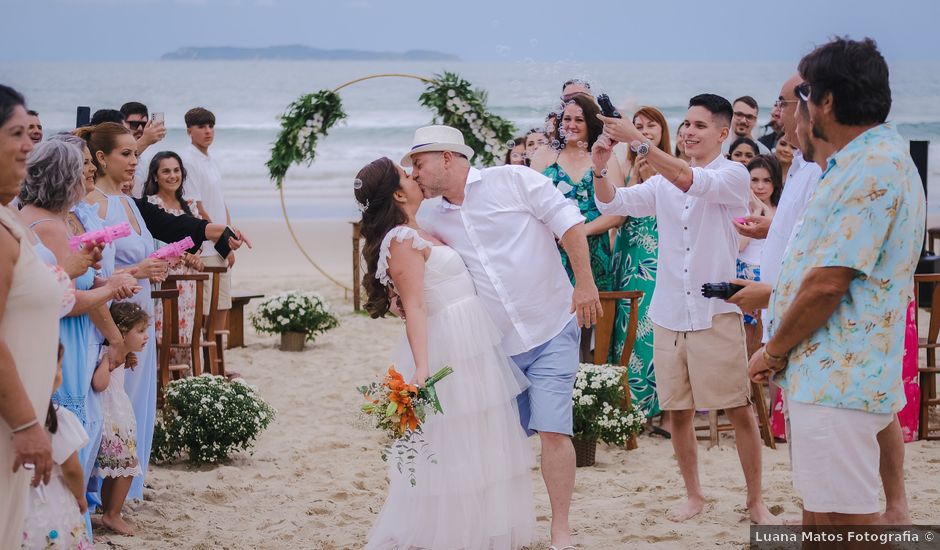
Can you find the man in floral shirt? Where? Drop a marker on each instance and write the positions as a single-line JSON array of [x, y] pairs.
[[837, 312]]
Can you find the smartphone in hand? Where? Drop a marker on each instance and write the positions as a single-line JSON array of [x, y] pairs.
[[222, 246], [157, 118]]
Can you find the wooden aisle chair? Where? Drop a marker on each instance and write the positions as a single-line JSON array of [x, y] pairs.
[[213, 345], [928, 374], [604, 332], [760, 406], [169, 299], [195, 343]]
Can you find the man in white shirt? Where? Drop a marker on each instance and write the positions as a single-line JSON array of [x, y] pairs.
[[699, 343], [204, 184], [503, 222]]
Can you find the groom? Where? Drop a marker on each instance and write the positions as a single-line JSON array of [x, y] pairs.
[[503, 222]]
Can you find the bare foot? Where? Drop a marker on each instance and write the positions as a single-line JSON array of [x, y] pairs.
[[688, 509], [895, 517], [760, 515], [117, 524]]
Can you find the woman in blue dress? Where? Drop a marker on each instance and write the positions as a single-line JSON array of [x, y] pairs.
[[114, 153], [53, 186]]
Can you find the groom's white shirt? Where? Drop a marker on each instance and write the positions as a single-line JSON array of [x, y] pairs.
[[505, 232]]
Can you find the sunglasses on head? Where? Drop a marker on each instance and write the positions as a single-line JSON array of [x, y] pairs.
[[803, 91]]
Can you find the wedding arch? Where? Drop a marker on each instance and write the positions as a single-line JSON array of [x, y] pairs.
[[455, 103]]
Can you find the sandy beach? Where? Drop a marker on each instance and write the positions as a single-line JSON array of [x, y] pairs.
[[316, 480]]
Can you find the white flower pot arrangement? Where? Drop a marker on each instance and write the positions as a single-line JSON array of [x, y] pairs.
[[601, 410], [296, 315]]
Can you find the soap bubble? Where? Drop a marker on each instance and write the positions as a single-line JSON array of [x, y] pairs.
[[357, 183], [556, 144]]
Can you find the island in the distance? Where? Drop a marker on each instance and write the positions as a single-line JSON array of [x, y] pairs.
[[298, 52]]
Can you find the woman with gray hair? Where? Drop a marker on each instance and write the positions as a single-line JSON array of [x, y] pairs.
[[54, 186]]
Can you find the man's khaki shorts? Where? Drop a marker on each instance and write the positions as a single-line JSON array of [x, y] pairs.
[[702, 369], [225, 285]]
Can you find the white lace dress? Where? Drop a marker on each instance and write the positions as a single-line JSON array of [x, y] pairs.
[[477, 492], [117, 455]]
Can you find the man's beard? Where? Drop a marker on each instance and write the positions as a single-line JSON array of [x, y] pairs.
[[809, 150], [818, 133]]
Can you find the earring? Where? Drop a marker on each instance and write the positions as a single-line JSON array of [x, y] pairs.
[[104, 165]]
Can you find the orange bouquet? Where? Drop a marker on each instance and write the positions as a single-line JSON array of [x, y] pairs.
[[399, 409]]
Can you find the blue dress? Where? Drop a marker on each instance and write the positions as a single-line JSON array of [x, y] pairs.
[[74, 333], [140, 383], [88, 215]]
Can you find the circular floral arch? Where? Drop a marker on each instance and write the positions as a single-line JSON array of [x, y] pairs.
[[452, 98]]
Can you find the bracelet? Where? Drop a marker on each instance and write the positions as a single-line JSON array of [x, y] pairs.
[[773, 358], [26, 426]]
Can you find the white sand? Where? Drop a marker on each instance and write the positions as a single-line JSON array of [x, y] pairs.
[[316, 479]]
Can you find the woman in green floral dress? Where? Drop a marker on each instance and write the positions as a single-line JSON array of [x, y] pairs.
[[568, 163], [634, 268], [569, 157]]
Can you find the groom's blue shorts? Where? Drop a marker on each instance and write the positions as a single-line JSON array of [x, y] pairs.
[[551, 369]]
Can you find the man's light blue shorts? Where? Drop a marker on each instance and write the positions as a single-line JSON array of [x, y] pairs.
[[551, 369]]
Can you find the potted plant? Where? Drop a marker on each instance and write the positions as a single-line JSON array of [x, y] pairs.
[[296, 315], [207, 418], [601, 411]]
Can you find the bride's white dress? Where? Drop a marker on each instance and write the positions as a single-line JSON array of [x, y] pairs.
[[477, 492]]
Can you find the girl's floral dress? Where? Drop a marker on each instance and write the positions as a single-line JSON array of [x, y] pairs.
[[117, 455]]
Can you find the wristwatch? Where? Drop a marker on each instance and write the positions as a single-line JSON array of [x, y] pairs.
[[643, 149], [601, 174]]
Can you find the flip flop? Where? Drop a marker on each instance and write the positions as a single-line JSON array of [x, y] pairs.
[[569, 547]]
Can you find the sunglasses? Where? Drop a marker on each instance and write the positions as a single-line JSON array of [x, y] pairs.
[[134, 124], [803, 90]]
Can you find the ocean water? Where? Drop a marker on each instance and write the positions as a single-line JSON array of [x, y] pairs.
[[248, 96]]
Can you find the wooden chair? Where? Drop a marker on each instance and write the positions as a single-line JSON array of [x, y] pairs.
[[933, 234], [214, 344], [928, 374], [236, 317], [195, 343], [760, 405], [169, 298], [603, 334]]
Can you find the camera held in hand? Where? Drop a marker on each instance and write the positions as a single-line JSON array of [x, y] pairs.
[[720, 290]]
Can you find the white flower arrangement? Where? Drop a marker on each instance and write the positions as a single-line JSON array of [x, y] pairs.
[[458, 105], [294, 311], [599, 399], [207, 418]]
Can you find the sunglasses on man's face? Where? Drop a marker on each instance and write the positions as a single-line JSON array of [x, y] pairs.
[[134, 124]]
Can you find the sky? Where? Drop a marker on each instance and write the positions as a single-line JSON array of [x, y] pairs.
[[475, 30]]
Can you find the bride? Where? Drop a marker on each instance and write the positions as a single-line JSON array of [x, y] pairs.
[[476, 492]]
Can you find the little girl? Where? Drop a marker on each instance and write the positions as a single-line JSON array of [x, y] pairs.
[[55, 515], [117, 457]]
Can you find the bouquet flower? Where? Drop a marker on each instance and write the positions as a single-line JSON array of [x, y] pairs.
[[294, 311], [398, 409], [599, 405]]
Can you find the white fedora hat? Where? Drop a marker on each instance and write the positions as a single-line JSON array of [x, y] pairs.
[[437, 138]]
